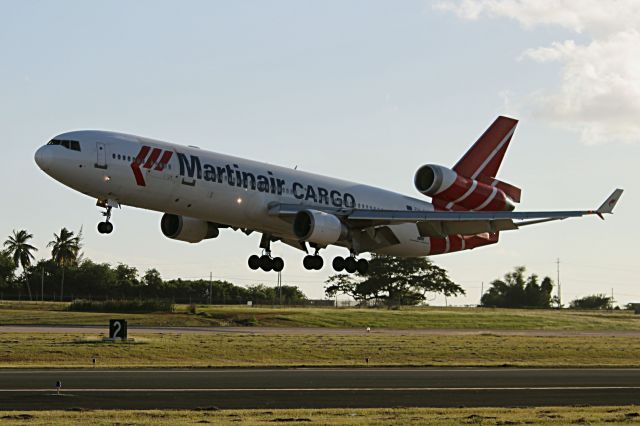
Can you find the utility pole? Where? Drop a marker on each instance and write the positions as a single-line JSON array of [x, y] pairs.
[[210, 285], [280, 286], [42, 285], [559, 293], [481, 291]]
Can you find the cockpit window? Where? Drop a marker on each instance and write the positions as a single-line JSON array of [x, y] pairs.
[[69, 144]]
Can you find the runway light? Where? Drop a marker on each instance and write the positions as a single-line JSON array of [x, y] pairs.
[[239, 200]]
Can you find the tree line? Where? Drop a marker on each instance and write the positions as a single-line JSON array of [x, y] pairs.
[[68, 275], [393, 281], [517, 291], [390, 281]]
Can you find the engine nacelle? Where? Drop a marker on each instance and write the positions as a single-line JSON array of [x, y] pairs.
[[187, 229], [451, 191], [432, 179], [319, 227]]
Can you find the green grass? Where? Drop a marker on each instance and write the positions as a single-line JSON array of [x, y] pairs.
[[12, 313], [622, 415], [136, 305], [34, 306], [33, 350]]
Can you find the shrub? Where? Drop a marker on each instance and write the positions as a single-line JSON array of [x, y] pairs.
[[121, 306], [249, 322], [596, 301]]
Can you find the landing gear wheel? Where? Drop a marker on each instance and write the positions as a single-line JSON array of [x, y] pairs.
[[307, 262], [362, 266], [265, 263], [350, 265], [254, 262], [318, 262], [338, 264], [277, 263], [105, 227], [313, 262]]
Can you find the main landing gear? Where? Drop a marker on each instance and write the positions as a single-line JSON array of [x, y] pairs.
[[106, 227], [266, 262], [350, 264], [313, 262]]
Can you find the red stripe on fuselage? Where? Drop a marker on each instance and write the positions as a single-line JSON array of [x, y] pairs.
[[499, 203], [152, 158], [459, 242], [164, 160], [438, 245], [478, 197], [135, 165], [456, 190], [455, 243], [473, 241]]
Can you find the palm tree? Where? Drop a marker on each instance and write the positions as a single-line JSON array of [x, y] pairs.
[[65, 249], [20, 250]]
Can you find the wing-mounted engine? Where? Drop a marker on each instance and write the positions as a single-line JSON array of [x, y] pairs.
[[319, 227], [452, 191], [187, 229]]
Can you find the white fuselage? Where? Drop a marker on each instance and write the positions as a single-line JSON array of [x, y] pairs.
[[213, 187]]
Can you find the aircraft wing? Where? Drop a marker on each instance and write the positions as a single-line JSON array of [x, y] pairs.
[[443, 223]]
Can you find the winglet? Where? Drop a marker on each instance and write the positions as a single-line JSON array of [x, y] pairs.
[[610, 203]]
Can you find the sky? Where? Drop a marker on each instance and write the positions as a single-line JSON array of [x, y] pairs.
[[363, 90]]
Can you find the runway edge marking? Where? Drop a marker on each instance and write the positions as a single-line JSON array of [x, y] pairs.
[[411, 389]]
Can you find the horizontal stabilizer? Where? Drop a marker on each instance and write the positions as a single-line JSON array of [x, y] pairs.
[[513, 192]]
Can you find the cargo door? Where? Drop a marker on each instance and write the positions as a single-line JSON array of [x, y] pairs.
[[101, 161]]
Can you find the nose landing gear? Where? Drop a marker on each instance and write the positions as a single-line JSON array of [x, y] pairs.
[[106, 227]]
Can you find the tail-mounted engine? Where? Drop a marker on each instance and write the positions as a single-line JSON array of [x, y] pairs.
[[187, 229], [319, 227], [452, 191]]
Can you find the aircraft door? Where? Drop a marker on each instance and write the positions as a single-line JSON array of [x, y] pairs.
[[101, 149]]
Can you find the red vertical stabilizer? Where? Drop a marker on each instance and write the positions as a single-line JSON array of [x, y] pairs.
[[485, 156]]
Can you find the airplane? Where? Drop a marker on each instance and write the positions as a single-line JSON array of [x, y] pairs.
[[200, 192]]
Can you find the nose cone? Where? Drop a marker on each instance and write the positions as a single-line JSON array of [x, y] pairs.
[[43, 157]]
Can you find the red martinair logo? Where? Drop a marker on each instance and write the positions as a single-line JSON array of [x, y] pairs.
[[150, 162]]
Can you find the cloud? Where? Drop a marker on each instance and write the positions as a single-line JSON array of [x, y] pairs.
[[599, 93]]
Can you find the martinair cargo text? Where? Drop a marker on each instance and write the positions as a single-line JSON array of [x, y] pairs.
[[201, 192]]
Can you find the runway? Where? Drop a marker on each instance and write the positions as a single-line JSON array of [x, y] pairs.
[[316, 388]]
